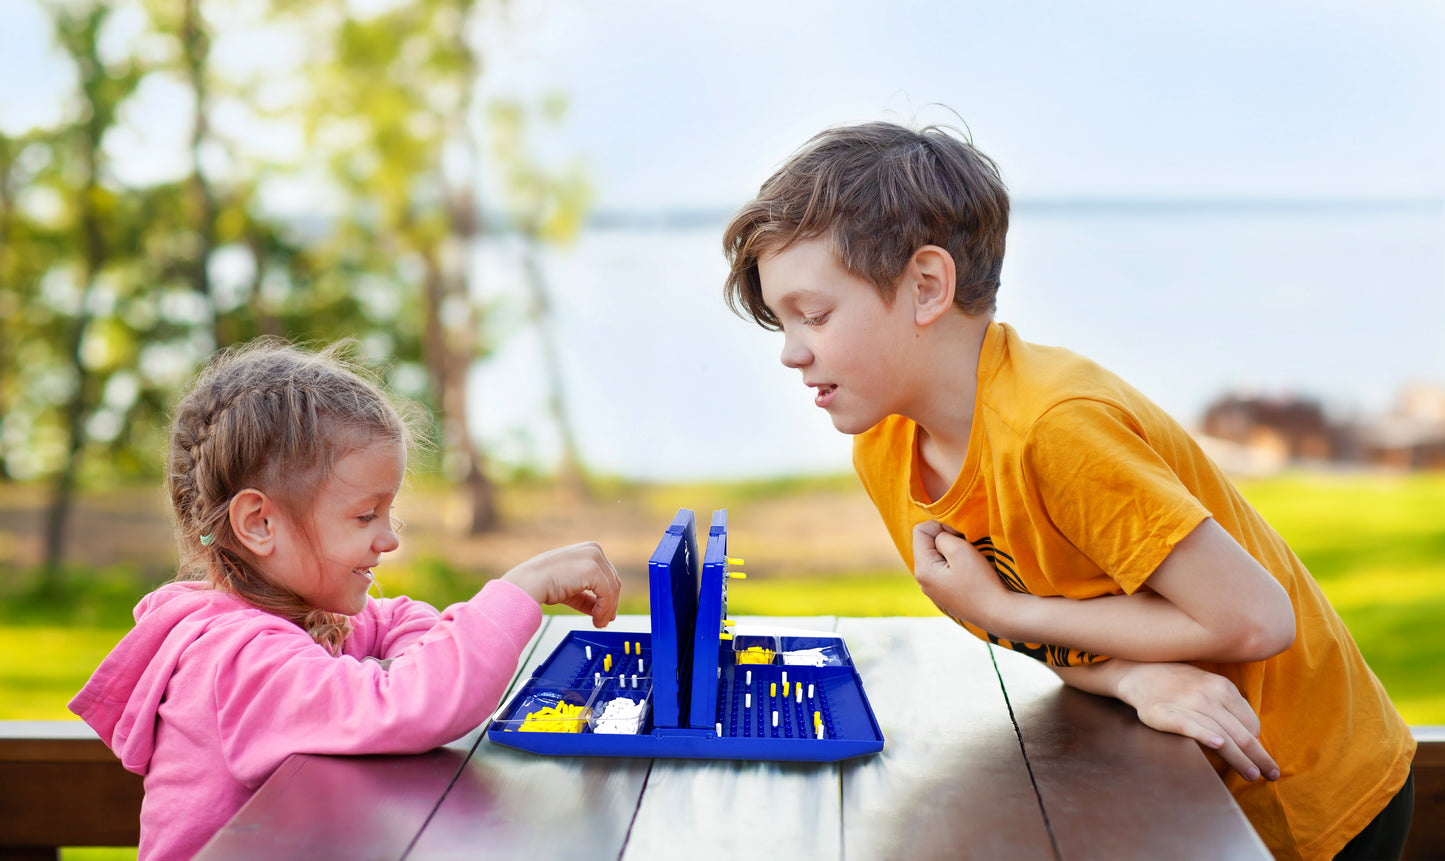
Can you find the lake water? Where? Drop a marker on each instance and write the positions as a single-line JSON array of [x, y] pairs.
[[1341, 302]]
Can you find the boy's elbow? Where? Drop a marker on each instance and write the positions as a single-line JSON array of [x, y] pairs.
[[1269, 634]]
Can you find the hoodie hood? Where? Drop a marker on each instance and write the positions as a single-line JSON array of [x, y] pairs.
[[121, 700]]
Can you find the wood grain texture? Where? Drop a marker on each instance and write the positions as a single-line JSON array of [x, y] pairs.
[[1112, 787], [951, 781]]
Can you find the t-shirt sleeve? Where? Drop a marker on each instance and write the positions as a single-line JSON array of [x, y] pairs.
[[1107, 490]]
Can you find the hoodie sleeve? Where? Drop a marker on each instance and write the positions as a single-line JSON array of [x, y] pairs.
[[389, 626], [280, 694]]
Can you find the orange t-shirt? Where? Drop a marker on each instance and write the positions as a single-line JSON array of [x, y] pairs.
[[1075, 484]]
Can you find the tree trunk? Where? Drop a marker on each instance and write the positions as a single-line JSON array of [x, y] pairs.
[[78, 407], [448, 354], [201, 199], [570, 475]]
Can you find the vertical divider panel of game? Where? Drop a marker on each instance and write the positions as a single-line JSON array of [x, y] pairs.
[[672, 591], [711, 629]]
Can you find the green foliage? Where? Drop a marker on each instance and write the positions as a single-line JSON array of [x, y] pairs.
[[1374, 543]]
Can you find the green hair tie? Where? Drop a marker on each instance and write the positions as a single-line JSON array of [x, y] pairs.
[[207, 539]]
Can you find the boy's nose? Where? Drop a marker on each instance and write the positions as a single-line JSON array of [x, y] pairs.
[[795, 355]]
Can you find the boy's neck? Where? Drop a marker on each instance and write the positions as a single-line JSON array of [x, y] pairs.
[[944, 414]]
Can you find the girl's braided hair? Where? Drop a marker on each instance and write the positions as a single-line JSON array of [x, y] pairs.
[[274, 417]]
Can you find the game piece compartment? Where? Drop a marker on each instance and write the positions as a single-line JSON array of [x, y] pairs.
[[697, 700]]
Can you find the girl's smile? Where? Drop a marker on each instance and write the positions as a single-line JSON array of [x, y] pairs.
[[330, 564]]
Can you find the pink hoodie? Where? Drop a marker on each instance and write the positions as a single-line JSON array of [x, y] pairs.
[[208, 695]]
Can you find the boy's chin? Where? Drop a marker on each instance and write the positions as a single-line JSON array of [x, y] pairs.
[[851, 425]]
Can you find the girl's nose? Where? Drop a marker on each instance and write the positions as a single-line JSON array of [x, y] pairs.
[[386, 541]]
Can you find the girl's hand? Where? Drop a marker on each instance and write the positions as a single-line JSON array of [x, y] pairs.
[[956, 576], [1185, 700], [579, 576]]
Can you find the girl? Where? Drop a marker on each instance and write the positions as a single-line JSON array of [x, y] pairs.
[[282, 469]]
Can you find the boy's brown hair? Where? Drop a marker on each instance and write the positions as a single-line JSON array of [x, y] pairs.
[[878, 192]]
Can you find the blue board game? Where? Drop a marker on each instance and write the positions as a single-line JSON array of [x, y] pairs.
[[696, 686]]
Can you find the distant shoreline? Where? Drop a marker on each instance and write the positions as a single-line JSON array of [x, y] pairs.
[[717, 217]]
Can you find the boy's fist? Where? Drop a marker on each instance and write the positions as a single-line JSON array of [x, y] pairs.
[[579, 576], [956, 576]]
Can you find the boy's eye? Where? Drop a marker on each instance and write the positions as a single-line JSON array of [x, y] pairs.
[[816, 320]]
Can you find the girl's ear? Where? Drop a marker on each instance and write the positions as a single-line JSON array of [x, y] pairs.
[[253, 521], [933, 278]]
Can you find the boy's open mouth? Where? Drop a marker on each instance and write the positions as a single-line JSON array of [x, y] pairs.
[[824, 394]]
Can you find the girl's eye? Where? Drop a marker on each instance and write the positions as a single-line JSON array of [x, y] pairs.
[[815, 321], [368, 517]]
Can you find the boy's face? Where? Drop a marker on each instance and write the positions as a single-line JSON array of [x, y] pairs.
[[853, 348], [351, 529]]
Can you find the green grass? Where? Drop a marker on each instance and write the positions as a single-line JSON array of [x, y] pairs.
[[1376, 545]]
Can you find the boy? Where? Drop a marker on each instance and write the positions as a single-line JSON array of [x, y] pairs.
[[1049, 507]]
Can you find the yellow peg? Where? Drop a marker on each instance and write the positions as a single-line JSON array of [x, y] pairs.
[[773, 689], [729, 622], [626, 647], [732, 561], [725, 636], [737, 575], [785, 689], [637, 647], [607, 663]]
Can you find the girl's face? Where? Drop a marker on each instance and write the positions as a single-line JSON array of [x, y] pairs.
[[351, 527]]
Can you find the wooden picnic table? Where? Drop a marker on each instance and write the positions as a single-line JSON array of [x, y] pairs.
[[987, 755]]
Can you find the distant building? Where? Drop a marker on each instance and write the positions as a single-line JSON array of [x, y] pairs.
[[1285, 429], [1412, 436], [1260, 435]]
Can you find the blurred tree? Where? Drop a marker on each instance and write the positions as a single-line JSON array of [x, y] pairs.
[[394, 116], [544, 207], [90, 343], [113, 291]]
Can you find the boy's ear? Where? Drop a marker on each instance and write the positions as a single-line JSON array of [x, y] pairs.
[[253, 521], [932, 278]]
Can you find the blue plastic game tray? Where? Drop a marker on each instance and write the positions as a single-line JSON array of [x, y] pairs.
[[696, 686]]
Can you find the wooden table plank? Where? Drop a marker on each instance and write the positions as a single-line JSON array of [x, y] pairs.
[[951, 781], [729, 809], [346, 807], [509, 803], [362, 807], [1082, 748]]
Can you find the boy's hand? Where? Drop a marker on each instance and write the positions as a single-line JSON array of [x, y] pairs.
[[956, 576], [579, 576], [1185, 700]]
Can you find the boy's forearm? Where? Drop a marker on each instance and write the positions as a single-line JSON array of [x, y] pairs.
[[1139, 627], [1208, 600], [1101, 678]]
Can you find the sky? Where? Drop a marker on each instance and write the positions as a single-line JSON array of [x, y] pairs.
[[689, 106], [692, 104], [685, 103]]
